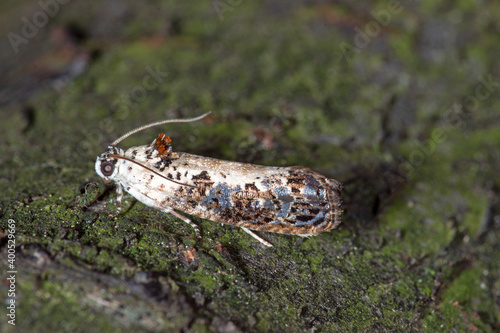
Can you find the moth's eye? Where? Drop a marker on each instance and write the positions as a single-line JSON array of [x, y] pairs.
[[107, 168]]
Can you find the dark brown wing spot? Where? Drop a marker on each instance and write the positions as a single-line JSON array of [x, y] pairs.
[[202, 176], [251, 187]]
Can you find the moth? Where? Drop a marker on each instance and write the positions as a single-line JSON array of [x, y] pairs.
[[287, 200]]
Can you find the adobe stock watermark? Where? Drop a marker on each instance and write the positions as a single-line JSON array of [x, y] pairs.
[[123, 105], [457, 117], [11, 272], [223, 6], [31, 27], [381, 19]]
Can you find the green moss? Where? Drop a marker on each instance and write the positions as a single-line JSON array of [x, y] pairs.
[[408, 256], [52, 307]]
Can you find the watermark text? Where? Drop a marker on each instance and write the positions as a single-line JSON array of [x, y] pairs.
[[11, 272]]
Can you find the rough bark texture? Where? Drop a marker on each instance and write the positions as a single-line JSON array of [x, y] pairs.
[[399, 102]]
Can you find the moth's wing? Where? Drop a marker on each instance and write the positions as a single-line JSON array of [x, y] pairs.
[[292, 200]]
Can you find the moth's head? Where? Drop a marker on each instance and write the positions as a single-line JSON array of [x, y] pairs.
[[105, 166]]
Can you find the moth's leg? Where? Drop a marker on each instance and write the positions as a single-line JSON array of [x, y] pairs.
[[266, 243], [119, 197], [185, 219]]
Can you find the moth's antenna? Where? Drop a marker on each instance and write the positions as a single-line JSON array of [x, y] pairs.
[[117, 141]]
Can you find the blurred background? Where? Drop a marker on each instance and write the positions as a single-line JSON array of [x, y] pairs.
[[398, 100]]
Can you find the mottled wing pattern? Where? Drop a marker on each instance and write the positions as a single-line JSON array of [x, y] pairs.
[[294, 200]]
